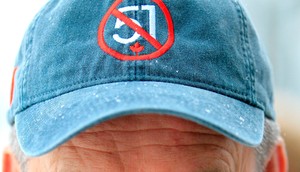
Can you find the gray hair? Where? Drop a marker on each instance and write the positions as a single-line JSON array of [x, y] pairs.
[[271, 135], [16, 150]]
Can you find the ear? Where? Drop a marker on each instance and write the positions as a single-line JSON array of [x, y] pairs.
[[278, 161], [10, 163]]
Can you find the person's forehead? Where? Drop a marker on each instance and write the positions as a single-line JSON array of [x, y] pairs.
[[133, 122], [139, 130]]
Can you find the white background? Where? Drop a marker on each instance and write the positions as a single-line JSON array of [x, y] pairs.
[[277, 22]]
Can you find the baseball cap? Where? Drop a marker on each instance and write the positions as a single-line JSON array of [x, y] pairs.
[[84, 62]]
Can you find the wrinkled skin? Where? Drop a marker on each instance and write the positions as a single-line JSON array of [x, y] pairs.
[[151, 143]]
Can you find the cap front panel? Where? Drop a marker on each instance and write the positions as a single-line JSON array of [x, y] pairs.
[[199, 43]]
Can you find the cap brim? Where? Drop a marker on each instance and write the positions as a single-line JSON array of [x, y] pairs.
[[44, 126]]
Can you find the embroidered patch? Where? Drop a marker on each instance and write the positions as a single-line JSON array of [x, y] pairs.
[[129, 32]]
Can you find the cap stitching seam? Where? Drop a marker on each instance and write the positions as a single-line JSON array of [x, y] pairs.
[[243, 97], [27, 60], [242, 35], [126, 77], [29, 50], [245, 47], [255, 99], [130, 71], [135, 70], [248, 54]]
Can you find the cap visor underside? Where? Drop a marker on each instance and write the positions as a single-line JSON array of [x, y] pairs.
[[44, 126]]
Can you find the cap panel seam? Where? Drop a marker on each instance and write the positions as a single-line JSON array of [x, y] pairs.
[[249, 54], [246, 49], [130, 71], [135, 70], [28, 50], [242, 37]]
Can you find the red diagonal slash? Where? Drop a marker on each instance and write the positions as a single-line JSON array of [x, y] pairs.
[[137, 28]]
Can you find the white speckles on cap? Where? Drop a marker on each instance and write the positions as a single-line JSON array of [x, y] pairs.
[[117, 99], [226, 106], [242, 119], [207, 110]]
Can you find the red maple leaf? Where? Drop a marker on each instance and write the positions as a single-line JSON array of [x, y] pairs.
[[137, 48]]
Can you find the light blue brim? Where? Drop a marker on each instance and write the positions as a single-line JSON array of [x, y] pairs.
[[44, 126]]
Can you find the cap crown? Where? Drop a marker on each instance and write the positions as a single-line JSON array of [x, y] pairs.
[[73, 44]]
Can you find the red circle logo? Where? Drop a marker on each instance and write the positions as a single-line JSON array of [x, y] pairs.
[[150, 36]]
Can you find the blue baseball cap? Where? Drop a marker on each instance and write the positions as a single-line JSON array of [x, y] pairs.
[[84, 62]]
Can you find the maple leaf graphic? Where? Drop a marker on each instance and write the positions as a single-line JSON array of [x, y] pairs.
[[137, 48]]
